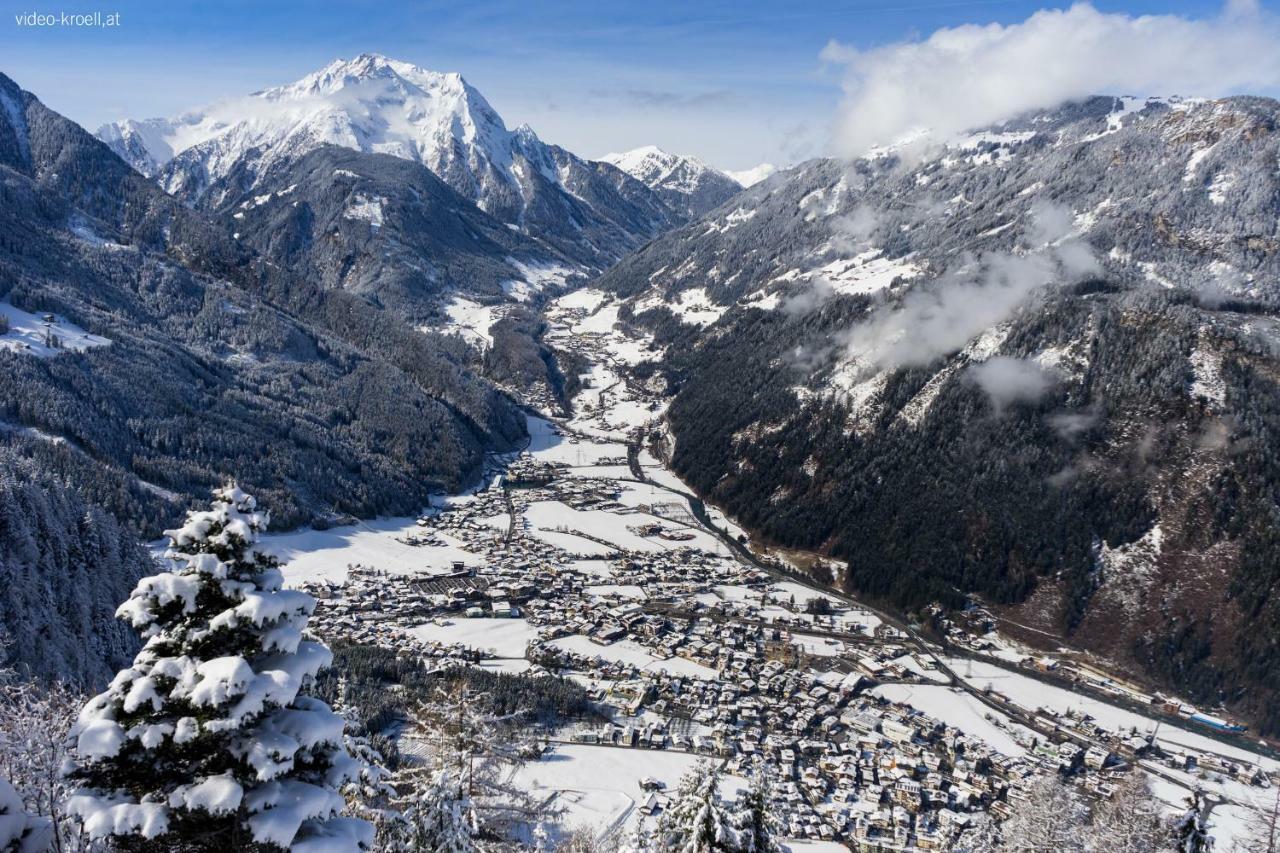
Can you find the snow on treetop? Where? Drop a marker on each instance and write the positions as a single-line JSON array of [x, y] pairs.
[[282, 807], [21, 832], [215, 794], [104, 816], [219, 680], [207, 731], [234, 515]]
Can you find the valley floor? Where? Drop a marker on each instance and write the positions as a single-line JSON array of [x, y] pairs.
[[585, 556]]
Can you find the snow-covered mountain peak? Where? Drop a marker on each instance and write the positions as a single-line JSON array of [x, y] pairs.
[[378, 105], [651, 164], [369, 103], [754, 175], [683, 181]]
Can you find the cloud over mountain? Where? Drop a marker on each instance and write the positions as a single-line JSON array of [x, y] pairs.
[[968, 76]]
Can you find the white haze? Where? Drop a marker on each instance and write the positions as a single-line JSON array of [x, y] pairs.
[[971, 76], [1009, 380], [932, 321], [935, 321]]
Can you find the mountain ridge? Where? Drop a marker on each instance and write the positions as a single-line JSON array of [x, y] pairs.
[[684, 182], [588, 211]]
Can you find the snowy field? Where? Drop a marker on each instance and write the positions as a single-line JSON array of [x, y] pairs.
[[956, 708], [1031, 693], [598, 786], [472, 320], [545, 445], [316, 555], [505, 638], [610, 526], [28, 334]]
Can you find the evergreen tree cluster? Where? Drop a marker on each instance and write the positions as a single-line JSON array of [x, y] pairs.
[[381, 688], [699, 820], [64, 563]]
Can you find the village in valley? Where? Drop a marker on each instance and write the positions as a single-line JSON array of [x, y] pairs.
[[584, 557]]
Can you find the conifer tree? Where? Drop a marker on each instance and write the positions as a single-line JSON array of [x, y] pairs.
[[206, 742], [1052, 816], [756, 822], [471, 754], [1191, 832], [698, 821], [1130, 821], [436, 816]]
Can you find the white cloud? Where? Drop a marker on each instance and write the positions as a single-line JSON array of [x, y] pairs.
[[809, 299], [1011, 380], [976, 295], [971, 76], [932, 322]]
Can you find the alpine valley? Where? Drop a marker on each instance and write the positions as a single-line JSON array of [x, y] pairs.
[[1008, 399]]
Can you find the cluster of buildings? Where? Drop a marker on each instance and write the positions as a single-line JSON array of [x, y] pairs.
[[688, 650], [691, 651]]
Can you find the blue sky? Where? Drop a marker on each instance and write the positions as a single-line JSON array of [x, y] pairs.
[[733, 82]]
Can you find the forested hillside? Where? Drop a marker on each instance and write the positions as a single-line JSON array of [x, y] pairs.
[[1038, 365], [219, 364], [175, 358], [65, 563]]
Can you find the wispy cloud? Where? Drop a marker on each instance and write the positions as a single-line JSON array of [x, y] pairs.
[[969, 76], [972, 297], [666, 100], [1008, 380]]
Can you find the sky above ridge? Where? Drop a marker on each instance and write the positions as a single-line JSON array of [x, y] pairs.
[[735, 83]]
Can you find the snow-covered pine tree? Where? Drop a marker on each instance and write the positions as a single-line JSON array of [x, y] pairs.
[[697, 820], [206, 742], [1051, 817], [1130, 821], [470, 754], [641, 839], [435, 815], [21, 832], [1190, 832], [755, 819]]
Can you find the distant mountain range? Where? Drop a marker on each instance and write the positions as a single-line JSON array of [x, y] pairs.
[[684, 183], [1035, 367], [588, 212]]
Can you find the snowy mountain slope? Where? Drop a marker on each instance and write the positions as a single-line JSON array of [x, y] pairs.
[[590, 212], [992, 368], [388, 230], [380, 226], [685, 183], [200, 329]]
